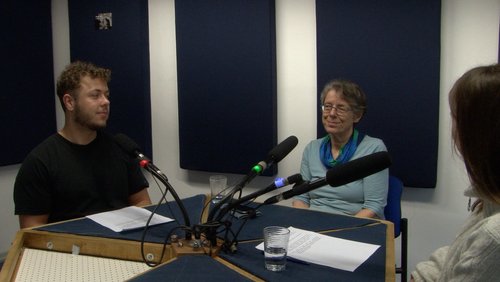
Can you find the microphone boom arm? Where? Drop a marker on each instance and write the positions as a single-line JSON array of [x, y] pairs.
[[229, 196], [160, 176]]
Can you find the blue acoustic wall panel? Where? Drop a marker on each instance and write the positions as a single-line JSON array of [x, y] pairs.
[[119, 42], [391, 48], [226, 83], [27, 96]]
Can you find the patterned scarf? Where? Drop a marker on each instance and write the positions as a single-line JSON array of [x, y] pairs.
[[346, 152]]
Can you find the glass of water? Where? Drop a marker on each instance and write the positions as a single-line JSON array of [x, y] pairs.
[[275, 247], [218, 185]]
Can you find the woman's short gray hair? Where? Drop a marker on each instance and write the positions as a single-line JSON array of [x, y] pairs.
[[350, 91]]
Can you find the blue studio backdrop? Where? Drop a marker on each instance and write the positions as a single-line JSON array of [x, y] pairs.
[[27, 97], [122, 45], [391, 48], [226, 71], [226, 59]]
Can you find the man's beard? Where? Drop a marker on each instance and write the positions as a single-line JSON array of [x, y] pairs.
[[84, 120]]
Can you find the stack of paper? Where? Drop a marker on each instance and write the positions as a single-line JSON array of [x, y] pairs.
[[326, 250], [127, 218]]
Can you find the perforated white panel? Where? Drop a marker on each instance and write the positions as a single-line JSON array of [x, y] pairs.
[[39, 265]]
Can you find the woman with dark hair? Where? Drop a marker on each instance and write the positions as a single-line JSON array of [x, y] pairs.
[[475, 253], [343, 104]]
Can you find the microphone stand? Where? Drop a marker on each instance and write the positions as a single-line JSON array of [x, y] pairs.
[[211, 232], [252, 212], [217, 207], [231, 245], [234, 205], [160, 176]]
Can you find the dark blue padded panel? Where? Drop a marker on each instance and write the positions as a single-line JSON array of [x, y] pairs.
[[125, 50], [226, 72], [27, 99], [391, 48]]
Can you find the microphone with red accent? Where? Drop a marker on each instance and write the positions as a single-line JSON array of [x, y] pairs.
[[129, 146], [340, 175]]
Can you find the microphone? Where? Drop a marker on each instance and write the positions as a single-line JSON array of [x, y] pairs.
[[130, 147], [282, 182], [274, 156], [358, 168], [277, 154], [340, 175], [278, 183]]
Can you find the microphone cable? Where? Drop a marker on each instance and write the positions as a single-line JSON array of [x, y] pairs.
[[146, 227]]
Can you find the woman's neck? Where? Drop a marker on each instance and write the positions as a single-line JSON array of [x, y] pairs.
[[339, 141]]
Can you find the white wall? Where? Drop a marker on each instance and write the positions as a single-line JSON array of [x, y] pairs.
[[470, 32]]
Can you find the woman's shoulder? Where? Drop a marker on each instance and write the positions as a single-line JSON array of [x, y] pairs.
[[492, 226], [372, 144], [371, 139], [316, 143]]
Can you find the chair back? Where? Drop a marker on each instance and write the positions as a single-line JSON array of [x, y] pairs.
[[392, 210]]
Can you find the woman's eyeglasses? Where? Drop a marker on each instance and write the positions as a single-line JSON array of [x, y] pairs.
[[340, 109]]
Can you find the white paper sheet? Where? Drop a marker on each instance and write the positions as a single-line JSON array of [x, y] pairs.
[[326, 250], [127, 218]]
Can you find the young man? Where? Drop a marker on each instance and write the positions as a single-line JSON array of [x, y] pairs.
[[80, 170]]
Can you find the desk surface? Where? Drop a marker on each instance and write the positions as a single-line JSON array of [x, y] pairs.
[[155, 234], [192, 268], [250, 259], [298, 218], [379, 267]]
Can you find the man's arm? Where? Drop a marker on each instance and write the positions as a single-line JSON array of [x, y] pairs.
[[26, 221], [140, 198]]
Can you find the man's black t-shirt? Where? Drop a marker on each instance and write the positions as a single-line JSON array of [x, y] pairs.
[[67, 180]]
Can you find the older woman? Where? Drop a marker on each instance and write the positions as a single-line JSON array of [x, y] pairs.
[[343, 106], [474, 254]]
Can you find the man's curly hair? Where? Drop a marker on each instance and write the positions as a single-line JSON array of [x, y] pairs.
[[69, 80]]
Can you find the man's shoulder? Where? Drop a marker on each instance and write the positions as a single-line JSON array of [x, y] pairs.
[[52, 141], [107, 139]]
